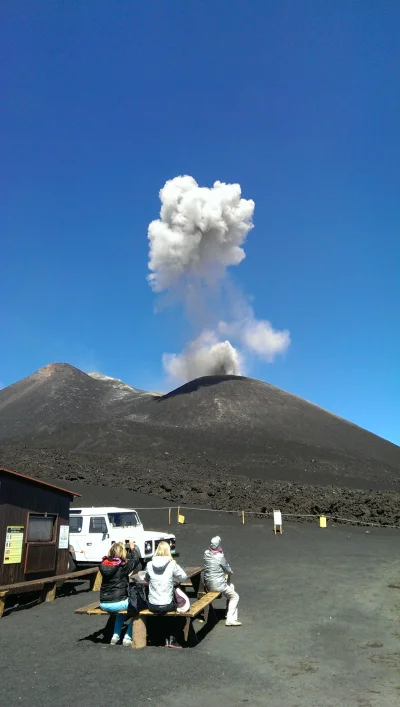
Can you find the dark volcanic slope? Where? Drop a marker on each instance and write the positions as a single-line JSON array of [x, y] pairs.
[[264, 414], [200, 440], [57, 396]]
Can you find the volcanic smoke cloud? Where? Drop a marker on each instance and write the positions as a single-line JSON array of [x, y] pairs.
[[199, 235]]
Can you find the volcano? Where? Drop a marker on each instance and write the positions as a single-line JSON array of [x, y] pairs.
[[225, 428]]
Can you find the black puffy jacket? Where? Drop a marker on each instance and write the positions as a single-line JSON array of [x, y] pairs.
[[115, 573]]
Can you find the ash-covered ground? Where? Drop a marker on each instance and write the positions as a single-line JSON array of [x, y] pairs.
[[319, 611]]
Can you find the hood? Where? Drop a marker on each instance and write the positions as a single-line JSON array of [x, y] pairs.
[[155, 535], [109, 567], [160, 563], [215, 543]]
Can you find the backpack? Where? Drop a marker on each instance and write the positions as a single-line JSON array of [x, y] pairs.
[[137, 598]]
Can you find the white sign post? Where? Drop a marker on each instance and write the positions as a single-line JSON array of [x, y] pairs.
[[63, 541], [278, 522]]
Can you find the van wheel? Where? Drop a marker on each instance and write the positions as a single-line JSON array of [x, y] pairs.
[[71, 564]]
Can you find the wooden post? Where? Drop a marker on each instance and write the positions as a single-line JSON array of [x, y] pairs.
[[243, 517], [49, 592], [97, 582], [186, 630], [2, 602], [139, 632], [169, 516]]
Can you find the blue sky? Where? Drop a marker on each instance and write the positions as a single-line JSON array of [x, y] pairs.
[[297, 101]]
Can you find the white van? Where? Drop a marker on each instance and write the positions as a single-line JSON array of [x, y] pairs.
[[92, 530]]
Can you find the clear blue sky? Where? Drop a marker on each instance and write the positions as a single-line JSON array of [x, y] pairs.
[[297, 101]]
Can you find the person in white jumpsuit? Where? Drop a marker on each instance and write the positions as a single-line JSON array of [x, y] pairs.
[[217, 576]]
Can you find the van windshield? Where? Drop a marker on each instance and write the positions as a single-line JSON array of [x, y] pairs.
[[123, 520]]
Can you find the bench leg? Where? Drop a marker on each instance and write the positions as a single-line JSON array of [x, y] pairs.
[[2, 602], [189, 633], [139, 632], [198, 585], [48, 592], [211, 615], [95, 581]]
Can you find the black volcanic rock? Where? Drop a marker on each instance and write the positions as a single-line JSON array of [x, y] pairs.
[[215, 438]]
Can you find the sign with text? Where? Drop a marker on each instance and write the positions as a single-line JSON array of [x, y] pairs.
[[63, 541], [14, 544]]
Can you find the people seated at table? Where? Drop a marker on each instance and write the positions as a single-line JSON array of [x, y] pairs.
[[161, 573], [217, 578], [115, 570]]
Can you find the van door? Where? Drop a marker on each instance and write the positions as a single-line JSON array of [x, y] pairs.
[[77, 537], [98, 539]]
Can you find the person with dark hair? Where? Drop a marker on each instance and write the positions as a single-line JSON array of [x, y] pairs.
[[217, 576], [115, 570]]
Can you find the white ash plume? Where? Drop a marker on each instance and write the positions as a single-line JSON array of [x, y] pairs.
[[205, 356], [200, 231], [257, 336], [199, 235]]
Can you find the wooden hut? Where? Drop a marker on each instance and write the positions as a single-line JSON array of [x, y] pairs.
[[34, 528]]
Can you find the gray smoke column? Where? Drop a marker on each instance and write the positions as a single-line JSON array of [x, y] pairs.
[[199, 235], [205, 356]]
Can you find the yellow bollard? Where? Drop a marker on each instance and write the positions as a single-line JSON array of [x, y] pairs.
[[322, 522]]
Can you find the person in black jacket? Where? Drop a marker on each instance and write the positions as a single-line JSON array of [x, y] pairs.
[[115, 570]]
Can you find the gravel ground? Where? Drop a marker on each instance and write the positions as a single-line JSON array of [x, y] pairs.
[[320, 612]]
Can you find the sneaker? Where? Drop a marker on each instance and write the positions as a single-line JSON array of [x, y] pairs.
[[115, 639], [172, 643], [233, 623], [127, 642]]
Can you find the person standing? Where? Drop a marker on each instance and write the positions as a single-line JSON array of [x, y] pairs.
[[217, 576], [115, 570]]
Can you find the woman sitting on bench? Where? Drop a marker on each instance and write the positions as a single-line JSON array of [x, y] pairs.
[[161, 573], [115, 570]]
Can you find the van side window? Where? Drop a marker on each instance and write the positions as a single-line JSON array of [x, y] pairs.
[[75, 524], [98, 525]]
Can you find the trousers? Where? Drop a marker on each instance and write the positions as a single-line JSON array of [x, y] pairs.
[[233, 601], [112, 607]]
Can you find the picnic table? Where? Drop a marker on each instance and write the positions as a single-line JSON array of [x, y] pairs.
[[202, 606]]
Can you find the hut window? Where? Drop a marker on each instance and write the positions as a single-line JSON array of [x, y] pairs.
[[41, 528]]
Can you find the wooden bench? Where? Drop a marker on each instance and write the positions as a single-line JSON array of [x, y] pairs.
[[48, 585], [201, 606]]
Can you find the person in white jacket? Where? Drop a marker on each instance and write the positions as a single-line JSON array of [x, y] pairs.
[[161, 574], [217, 578]]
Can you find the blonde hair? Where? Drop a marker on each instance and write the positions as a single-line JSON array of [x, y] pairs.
[[117, 550], [163, 550]]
